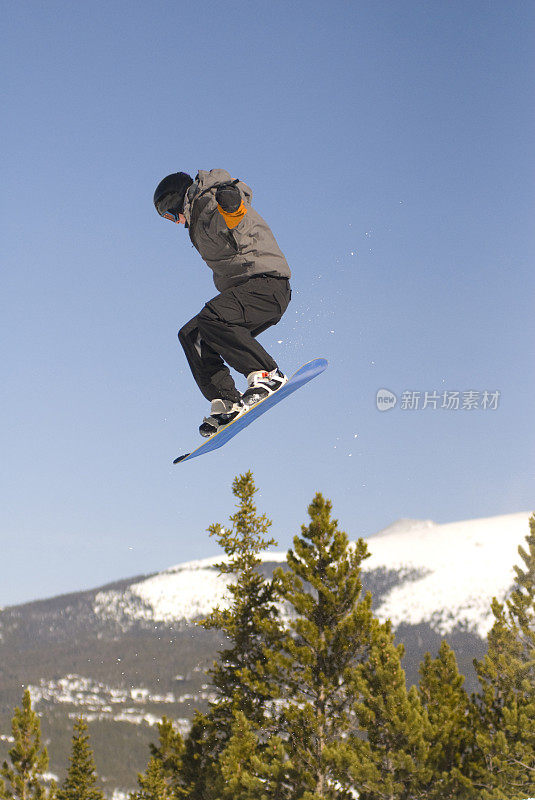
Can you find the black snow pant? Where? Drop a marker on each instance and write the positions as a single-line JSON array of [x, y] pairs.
[[225, 330]]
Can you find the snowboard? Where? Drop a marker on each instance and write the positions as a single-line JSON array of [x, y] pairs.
[[303, 375]]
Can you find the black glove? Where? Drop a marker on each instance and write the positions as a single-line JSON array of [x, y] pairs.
[[229, 197]]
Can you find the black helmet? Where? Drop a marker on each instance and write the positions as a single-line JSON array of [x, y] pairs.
[[170, 193]]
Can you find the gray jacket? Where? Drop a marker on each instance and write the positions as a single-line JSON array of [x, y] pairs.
[[234, 254]]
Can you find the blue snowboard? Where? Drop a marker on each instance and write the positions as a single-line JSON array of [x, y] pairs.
[[303, 375]]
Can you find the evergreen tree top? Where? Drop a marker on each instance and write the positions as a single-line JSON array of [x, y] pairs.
[[506, 735], [29, 760], [81, 778], [246, 537], [521, 603]]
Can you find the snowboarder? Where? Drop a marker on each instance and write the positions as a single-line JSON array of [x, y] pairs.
[[252, 277]]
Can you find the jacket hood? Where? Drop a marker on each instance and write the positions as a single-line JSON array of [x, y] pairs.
[[207, 178]]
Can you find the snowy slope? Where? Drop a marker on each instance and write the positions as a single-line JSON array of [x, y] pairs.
[[467, 564], [446, 576]]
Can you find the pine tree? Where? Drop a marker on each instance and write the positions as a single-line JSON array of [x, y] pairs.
[[162, 779], [316, 663], [250, 772], [200, 772], [23, 777], [506, 736], [391, 764], [80, 781], [238, 676], [252, 616], [152, 784], [169, 752], [451, 718]]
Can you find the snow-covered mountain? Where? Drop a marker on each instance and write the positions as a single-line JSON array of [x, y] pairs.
[[463, 565], [127, 653], [447, 575]]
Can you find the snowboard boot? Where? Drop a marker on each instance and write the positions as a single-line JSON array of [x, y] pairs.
[[221, 413], [261, 385]]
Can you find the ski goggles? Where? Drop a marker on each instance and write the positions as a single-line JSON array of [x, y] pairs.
[[172, 215], [169, 207]]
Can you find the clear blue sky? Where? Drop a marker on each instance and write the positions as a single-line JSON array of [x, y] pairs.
[[390, 147]]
